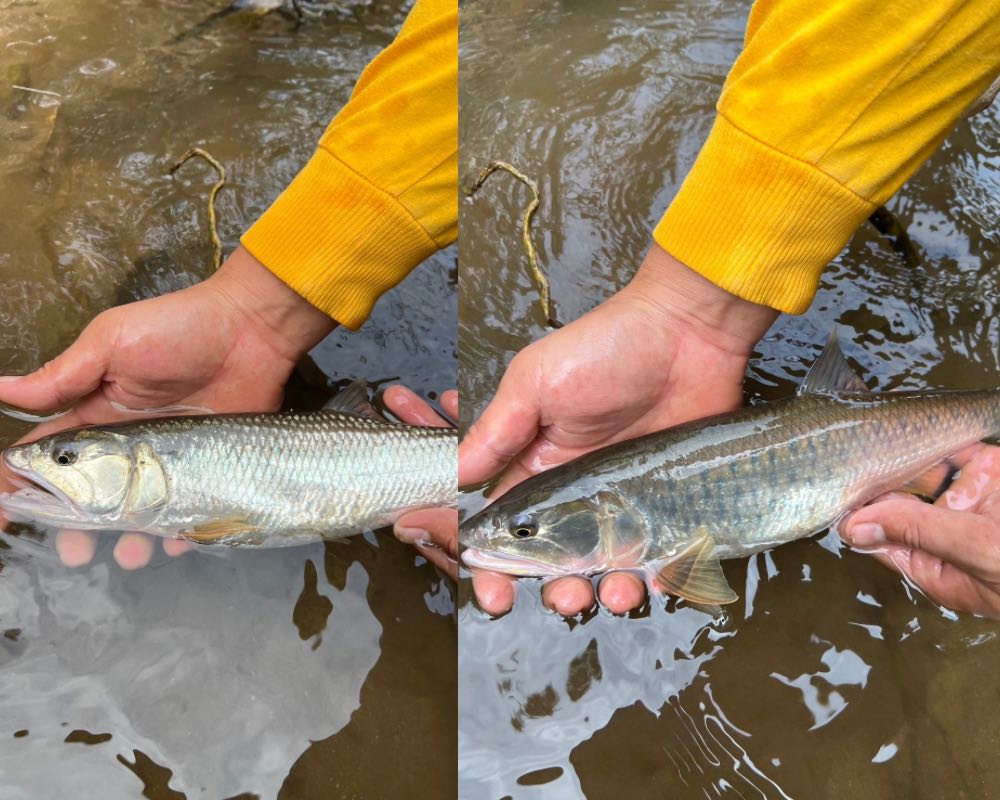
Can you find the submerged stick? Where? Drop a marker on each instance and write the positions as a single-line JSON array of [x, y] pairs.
[[212, 222], [44, 92], [548, 307]]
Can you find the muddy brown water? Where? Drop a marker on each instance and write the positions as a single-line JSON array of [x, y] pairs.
[[831, 677], [315, 672]]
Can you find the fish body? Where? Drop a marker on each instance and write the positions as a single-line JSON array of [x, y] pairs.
[[674, 502], [239, 479]]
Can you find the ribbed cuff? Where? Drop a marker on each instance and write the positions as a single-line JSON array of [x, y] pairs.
[[338, 240], [758, 223]]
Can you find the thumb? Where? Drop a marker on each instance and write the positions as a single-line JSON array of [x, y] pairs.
[[71, 375], [439, 526], [506, 427], [968, 541]]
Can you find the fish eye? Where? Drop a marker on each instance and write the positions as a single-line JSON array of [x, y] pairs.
[[64, 456], [523, 528]]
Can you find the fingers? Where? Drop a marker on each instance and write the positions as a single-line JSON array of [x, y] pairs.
[[568, 596], [507, 426], [76, 548], [133, 550], [176, 547], [495, 593], [941, 581], [621, 592], [68, 377], [970, 542], [411, 408], [449, 402], [979, 478], [437, 527]]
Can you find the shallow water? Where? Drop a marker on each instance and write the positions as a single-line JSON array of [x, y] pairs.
[[290, 673], [830, 677]]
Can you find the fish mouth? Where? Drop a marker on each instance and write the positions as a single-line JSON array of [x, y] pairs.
[[508, 564], [35, 499]]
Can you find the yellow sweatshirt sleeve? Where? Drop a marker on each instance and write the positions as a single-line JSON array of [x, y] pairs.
[[828, 110], [381, 192]]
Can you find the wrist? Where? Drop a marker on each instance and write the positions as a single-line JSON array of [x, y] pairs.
[[683, 297], [254, 293]]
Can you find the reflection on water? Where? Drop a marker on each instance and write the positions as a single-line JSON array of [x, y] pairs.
[[830, 677], [287, 673]]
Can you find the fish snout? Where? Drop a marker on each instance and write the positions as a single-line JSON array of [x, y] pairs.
[[15, 458], [470, 536]]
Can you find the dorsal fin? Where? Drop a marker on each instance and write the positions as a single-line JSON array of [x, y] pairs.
[[354, 400], [830, 373]]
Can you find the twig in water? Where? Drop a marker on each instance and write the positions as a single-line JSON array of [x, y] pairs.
[[212, 223], [45, 92], [548, 307]]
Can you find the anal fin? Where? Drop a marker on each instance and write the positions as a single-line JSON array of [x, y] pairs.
[[696, 575]]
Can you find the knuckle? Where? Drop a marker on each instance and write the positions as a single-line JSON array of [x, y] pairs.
[[909, 532]]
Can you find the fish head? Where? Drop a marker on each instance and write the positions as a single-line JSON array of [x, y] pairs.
[[562, 533], [85, 478]]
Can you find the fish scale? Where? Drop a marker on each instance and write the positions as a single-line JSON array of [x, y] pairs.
[[306, 475], [799, 465], [260, 479]]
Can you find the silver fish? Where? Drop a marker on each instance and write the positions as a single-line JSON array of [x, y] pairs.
[[264, 480], [672, 503]]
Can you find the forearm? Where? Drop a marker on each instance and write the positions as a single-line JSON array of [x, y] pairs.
[[822, 118], [680, 293], [282, 315]]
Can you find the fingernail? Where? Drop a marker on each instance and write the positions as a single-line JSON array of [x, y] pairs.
[[10, 378], [412, 535], [866, 534]]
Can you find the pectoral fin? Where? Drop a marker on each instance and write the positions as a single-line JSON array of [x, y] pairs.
[[696, 575], [208, 532]]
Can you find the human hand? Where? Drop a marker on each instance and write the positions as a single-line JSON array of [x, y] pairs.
[[951, 548], [434, 531], [226, 344], [669, 347]]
